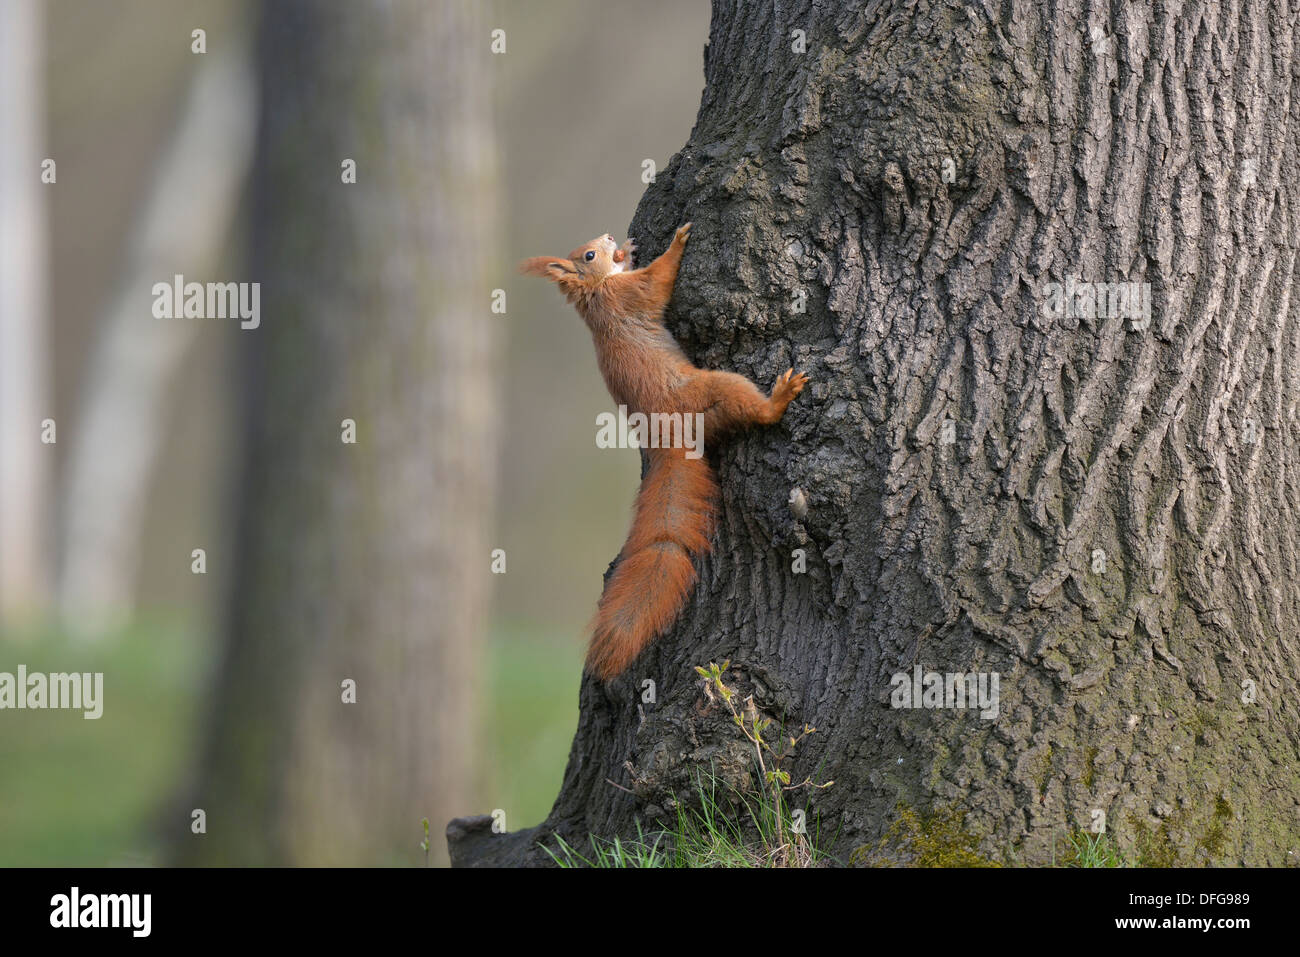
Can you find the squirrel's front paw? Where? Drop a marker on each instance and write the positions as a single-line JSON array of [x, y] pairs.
[[788, 386], [683, 234]]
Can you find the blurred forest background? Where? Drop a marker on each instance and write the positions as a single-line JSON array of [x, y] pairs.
[[584, 94]]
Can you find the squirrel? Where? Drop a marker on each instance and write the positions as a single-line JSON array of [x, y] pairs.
[[646, 370]]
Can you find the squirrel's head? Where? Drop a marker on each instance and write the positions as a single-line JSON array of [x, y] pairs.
[[588, 264]]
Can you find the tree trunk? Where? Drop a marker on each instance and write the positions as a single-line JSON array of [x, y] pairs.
[[354, 561], [25, 399], [1099, 509], [181, 229]]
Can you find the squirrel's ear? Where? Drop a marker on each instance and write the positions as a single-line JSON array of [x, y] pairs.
[[548, 267]]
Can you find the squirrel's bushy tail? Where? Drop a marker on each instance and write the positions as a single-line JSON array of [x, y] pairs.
[[655, 573]]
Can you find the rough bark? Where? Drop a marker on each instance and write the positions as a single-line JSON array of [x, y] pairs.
[[1149, 143], [351, 560]]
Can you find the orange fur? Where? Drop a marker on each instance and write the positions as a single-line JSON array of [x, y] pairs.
[[655, 573], [647, 371]]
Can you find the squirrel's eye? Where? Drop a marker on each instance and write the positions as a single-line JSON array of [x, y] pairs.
[[591, 254]]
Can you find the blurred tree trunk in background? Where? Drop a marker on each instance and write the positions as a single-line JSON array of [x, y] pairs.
[[360, 562], [181, 229], [1102, 510], [24, 342]]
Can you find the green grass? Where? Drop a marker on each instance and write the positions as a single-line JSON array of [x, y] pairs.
[[90, 793], [643, 852], [723, 828], [530, 712], [83, 792], [1091, 850]]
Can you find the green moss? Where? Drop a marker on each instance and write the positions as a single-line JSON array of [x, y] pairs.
[[938, 839], [1217, 834], [1201, 721], [1089, 767], [940, 758], [1155, 847], [1046, 773]]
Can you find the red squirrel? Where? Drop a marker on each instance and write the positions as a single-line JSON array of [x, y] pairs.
[[646, 370]]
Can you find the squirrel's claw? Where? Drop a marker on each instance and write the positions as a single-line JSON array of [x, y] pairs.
[[790, 384]]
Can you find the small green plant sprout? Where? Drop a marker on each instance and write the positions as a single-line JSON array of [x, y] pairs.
[[424, 845], [792, 848]]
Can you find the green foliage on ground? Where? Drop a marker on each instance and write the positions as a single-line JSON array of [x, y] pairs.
[[90, 792], [94, 793], [721, 827]]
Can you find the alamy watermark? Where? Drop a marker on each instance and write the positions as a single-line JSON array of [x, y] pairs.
[[179, 299], [1099, 300], [931, 689], [76, 909], [654, 430], [36, 690]]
